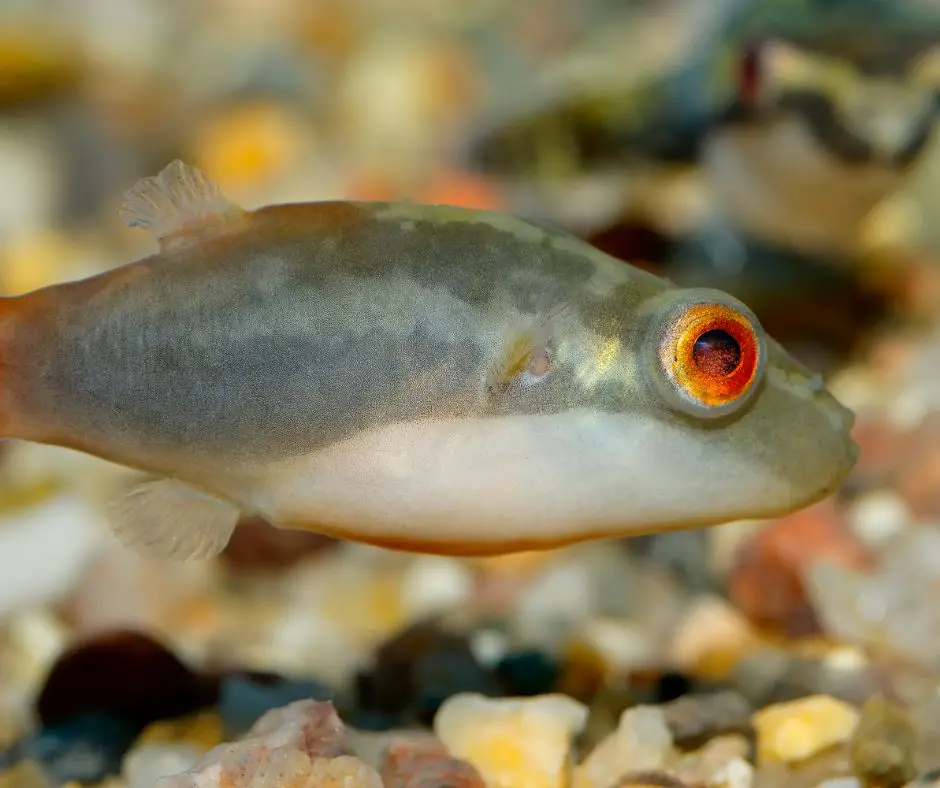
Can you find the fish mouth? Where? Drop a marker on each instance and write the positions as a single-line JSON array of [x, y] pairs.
[[843, 422]]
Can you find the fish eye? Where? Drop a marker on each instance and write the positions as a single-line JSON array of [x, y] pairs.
[[710, 356]]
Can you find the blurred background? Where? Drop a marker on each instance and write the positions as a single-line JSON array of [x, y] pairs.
[[783, 150]]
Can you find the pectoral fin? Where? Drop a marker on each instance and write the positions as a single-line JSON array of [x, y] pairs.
[[167, 519]]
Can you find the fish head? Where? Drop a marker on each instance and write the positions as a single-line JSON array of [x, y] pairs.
[[724, 423], [857, 112], [690, 415]]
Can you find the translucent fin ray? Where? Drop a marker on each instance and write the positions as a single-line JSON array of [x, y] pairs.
[[166, 519], [180, 202]]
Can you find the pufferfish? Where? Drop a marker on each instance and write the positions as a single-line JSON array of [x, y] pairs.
[[425, 378]]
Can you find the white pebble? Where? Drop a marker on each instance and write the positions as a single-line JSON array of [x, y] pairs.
[[736, 773], [433, 584], [147, 764], [45, 548], [878, 517]]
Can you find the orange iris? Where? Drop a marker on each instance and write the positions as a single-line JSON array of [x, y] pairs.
[[711, 353]]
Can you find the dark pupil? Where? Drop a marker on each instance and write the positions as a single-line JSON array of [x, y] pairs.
[[716, 353]]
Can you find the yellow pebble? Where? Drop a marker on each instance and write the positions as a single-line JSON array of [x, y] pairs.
[[248, 146], [513, 742], [203, 729], [24, 775], [797, 730]]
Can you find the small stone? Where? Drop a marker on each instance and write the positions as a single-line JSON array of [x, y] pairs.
[[884, 745], [126, 673], [434, 584], [244, 697], [701, 766], [202, 730], [795, 731], [25, 774], [412, 762], [146, 764], [642, 742], [46, 545], [624, 645], [527, 673], [311, 726], [85, 748], [710, 638], [302, 745], [418, 669], [512, 742], [440, 674], [583, 671], [246, 146], [767, 580], [878, 516], [736, 773], [695, 719]]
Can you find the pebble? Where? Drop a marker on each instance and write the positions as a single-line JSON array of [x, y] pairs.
[[886, 608], [877, 517], [247, 145], [312, 726], [46, 547], [126, 673], [584, 670], [695, 719], [418, 669], [884, 745], [641, 742], [513, 742], [553, 603], [527, 673], [26, 774], [795, 731], [701, 765], [736, 773], [203, 730], [85, 748], [423, 762], [767, 580], [302, 744], [711, 637], [145, 764], [433, 584]]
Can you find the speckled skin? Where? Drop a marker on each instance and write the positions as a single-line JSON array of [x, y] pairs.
[[309, 324], [262, 362]]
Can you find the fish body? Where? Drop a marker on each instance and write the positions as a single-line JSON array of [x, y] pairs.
[[420, 377]]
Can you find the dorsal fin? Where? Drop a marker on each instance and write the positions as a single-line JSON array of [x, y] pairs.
[[177, 206]]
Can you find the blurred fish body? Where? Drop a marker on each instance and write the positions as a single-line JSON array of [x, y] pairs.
[[419, 377], [785, 123], [815, 143]]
